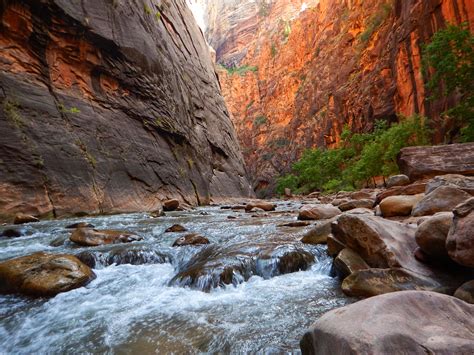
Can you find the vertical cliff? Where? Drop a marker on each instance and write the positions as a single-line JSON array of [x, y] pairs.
[[304, 69], [110, 106]]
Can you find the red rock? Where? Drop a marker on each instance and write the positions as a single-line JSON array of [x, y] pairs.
[[191, 239], [94, 237], [176, 228], [170, 205], [317, 212]]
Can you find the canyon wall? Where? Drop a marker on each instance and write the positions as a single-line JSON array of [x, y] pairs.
[[304, 69], [110, 106]]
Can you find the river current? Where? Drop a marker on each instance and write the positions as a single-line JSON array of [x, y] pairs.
[[149, 297]]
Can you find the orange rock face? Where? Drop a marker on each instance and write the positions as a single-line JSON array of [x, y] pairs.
[[321, 65]]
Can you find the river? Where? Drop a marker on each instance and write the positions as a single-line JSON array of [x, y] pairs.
[[149, 297]]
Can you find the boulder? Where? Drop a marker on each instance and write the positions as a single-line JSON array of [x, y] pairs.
[[338, 201], [361, 210], [348, 261], [295, 224], [94, 237], [372, 282], [317, 212], [176, 228], [399, 205], [318, 234], [466, 292], [432, 233], [363, 195], [80, 225], [442, 199], [465, 183], [11, 233], [264, 206], [352, 204], [410, 322], [398, 180], [21, 218], [42, 274], [334, 246], [191, 239], [170, 205], [413, 189], [426, 162], [460, 240]]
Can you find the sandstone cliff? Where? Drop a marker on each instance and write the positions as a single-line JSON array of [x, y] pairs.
[[110, 106], [307, 68]]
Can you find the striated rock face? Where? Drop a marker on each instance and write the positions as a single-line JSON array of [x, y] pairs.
[[110, 106], [319, 65]]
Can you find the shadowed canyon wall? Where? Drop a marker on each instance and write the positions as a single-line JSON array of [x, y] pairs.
[[110, 106], [304, 69]]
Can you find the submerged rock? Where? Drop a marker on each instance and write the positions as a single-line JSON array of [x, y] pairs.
[[11, 233], [410, 322], [42, 274], [94, 237], [264, 206], [295, 224], [176, 228], [460, 240], [24, 218], [191, 239], [80, 225], [123, 254]]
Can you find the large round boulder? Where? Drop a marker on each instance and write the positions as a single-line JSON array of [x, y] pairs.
[[409, 322], [316, 212], [460, 240], [170, 205], [399, 205], [398, 180], [432, 233], [442, 199], [93, 237], [42, 274], [353, 204]]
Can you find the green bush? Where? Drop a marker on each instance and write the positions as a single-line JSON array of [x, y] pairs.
[[375, 21], [448, 64], [260, 120], [242, 70], [360, 157]]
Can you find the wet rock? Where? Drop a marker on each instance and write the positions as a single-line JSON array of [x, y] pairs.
[[80, 225], [170, 205], [442, 199], [432, 233], [410, 322], [295, 224], [231, 217], [334, 246], [421, 256], [296, 260], [372, 282], [11, 233], [460, 240], [42, 274], [24, 218], [318, 234], [237, 207], [352, 204], [191, 239], [348, 261], [465, 183], [399, 205], [317, 212], [176, 228], [413, 189], [94, 237], [264, 206], [123, 255], [466, 292], [427, 162], [398, 180]]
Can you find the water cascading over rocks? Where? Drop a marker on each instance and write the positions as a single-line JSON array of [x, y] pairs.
[[110, 106]]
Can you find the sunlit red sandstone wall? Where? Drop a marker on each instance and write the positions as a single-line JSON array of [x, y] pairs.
[[322, 75]]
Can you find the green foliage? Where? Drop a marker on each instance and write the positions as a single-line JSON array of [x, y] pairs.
[[10, 108], [360, 157], [158, 16], [260, 120], [280, 142], [286, 30], [273, 50], [147, 9], [375, 21], [64, 109], [448, 63], [249, 105], [242, 70]]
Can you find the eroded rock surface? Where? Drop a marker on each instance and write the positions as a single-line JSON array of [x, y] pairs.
[[126, 99]]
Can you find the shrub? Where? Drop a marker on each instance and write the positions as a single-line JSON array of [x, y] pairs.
[[260, 120], [242, 70]]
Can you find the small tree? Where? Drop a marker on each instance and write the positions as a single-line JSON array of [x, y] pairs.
[[448, 62]]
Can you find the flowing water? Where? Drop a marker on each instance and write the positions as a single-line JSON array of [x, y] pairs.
[[237, 294]]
